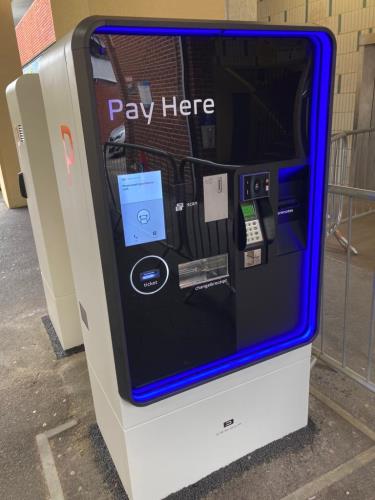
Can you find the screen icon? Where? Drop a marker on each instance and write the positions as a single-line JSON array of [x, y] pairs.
[[143, 216]]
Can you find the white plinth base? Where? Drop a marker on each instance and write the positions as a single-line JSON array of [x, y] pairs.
[[161, 448]]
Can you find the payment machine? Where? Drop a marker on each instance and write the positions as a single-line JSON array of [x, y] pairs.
[[191, 161], [38, 185]]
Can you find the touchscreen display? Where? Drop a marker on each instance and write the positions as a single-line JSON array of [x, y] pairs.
[[142, 210]]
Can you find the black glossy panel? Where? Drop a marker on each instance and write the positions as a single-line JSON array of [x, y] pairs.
[[189, 108]]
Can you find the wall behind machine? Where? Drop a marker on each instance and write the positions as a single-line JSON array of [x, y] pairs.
[[48, 20], [348, 19], [35, 31]]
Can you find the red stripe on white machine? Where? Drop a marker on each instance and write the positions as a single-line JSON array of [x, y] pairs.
[[67, 140]]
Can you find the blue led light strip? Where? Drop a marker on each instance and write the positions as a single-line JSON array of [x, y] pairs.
[[323, 53], [135, 30]]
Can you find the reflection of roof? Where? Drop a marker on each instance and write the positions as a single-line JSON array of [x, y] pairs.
[[102, 69]]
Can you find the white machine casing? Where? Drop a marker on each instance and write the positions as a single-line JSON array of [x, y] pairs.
[[28, 118], [166, 446]]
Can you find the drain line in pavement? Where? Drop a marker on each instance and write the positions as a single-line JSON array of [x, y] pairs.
[[48, 463], [315, 486], [354, 422], [309, 490]]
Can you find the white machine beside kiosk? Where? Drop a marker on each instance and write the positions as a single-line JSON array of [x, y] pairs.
[[165, 442], [28, 118]]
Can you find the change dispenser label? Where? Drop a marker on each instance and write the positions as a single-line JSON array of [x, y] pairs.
[[142, 209]]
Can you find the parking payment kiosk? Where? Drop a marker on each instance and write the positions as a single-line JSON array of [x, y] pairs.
[[38, 185], [191, 161]]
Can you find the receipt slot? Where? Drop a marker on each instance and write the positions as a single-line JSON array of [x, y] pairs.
[[196, 234]]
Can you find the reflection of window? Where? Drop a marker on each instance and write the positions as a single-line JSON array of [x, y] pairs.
[[101, 64]]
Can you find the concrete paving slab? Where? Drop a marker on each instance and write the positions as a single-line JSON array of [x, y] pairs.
[[350, 395], [356, 486]]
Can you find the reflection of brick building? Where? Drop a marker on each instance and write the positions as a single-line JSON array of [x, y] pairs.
[[199, 57], [256, 95], [158, 61], [105, 91]]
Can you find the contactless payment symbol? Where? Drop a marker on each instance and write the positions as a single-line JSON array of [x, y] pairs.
[[143, 216]]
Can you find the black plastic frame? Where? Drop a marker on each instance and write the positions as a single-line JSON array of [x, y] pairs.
[[83, 71]]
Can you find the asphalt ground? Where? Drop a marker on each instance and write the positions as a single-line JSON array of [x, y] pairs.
[[332, 459]]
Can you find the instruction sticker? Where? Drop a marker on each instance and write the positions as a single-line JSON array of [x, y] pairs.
[[215, 196]]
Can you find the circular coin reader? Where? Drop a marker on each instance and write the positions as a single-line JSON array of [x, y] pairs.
[[149, 275]]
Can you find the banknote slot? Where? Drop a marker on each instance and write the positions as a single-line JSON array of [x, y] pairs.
[[149, 275]]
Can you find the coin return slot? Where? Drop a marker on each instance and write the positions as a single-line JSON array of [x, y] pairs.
[[203, 270]]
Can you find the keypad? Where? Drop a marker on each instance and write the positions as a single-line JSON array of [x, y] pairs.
[[253, 232]]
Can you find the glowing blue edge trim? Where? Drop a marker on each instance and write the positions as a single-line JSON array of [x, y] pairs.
[[318, 147]]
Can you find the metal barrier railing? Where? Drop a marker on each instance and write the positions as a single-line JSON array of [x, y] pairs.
[[352, 162], [338, 175], [336, 344]]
